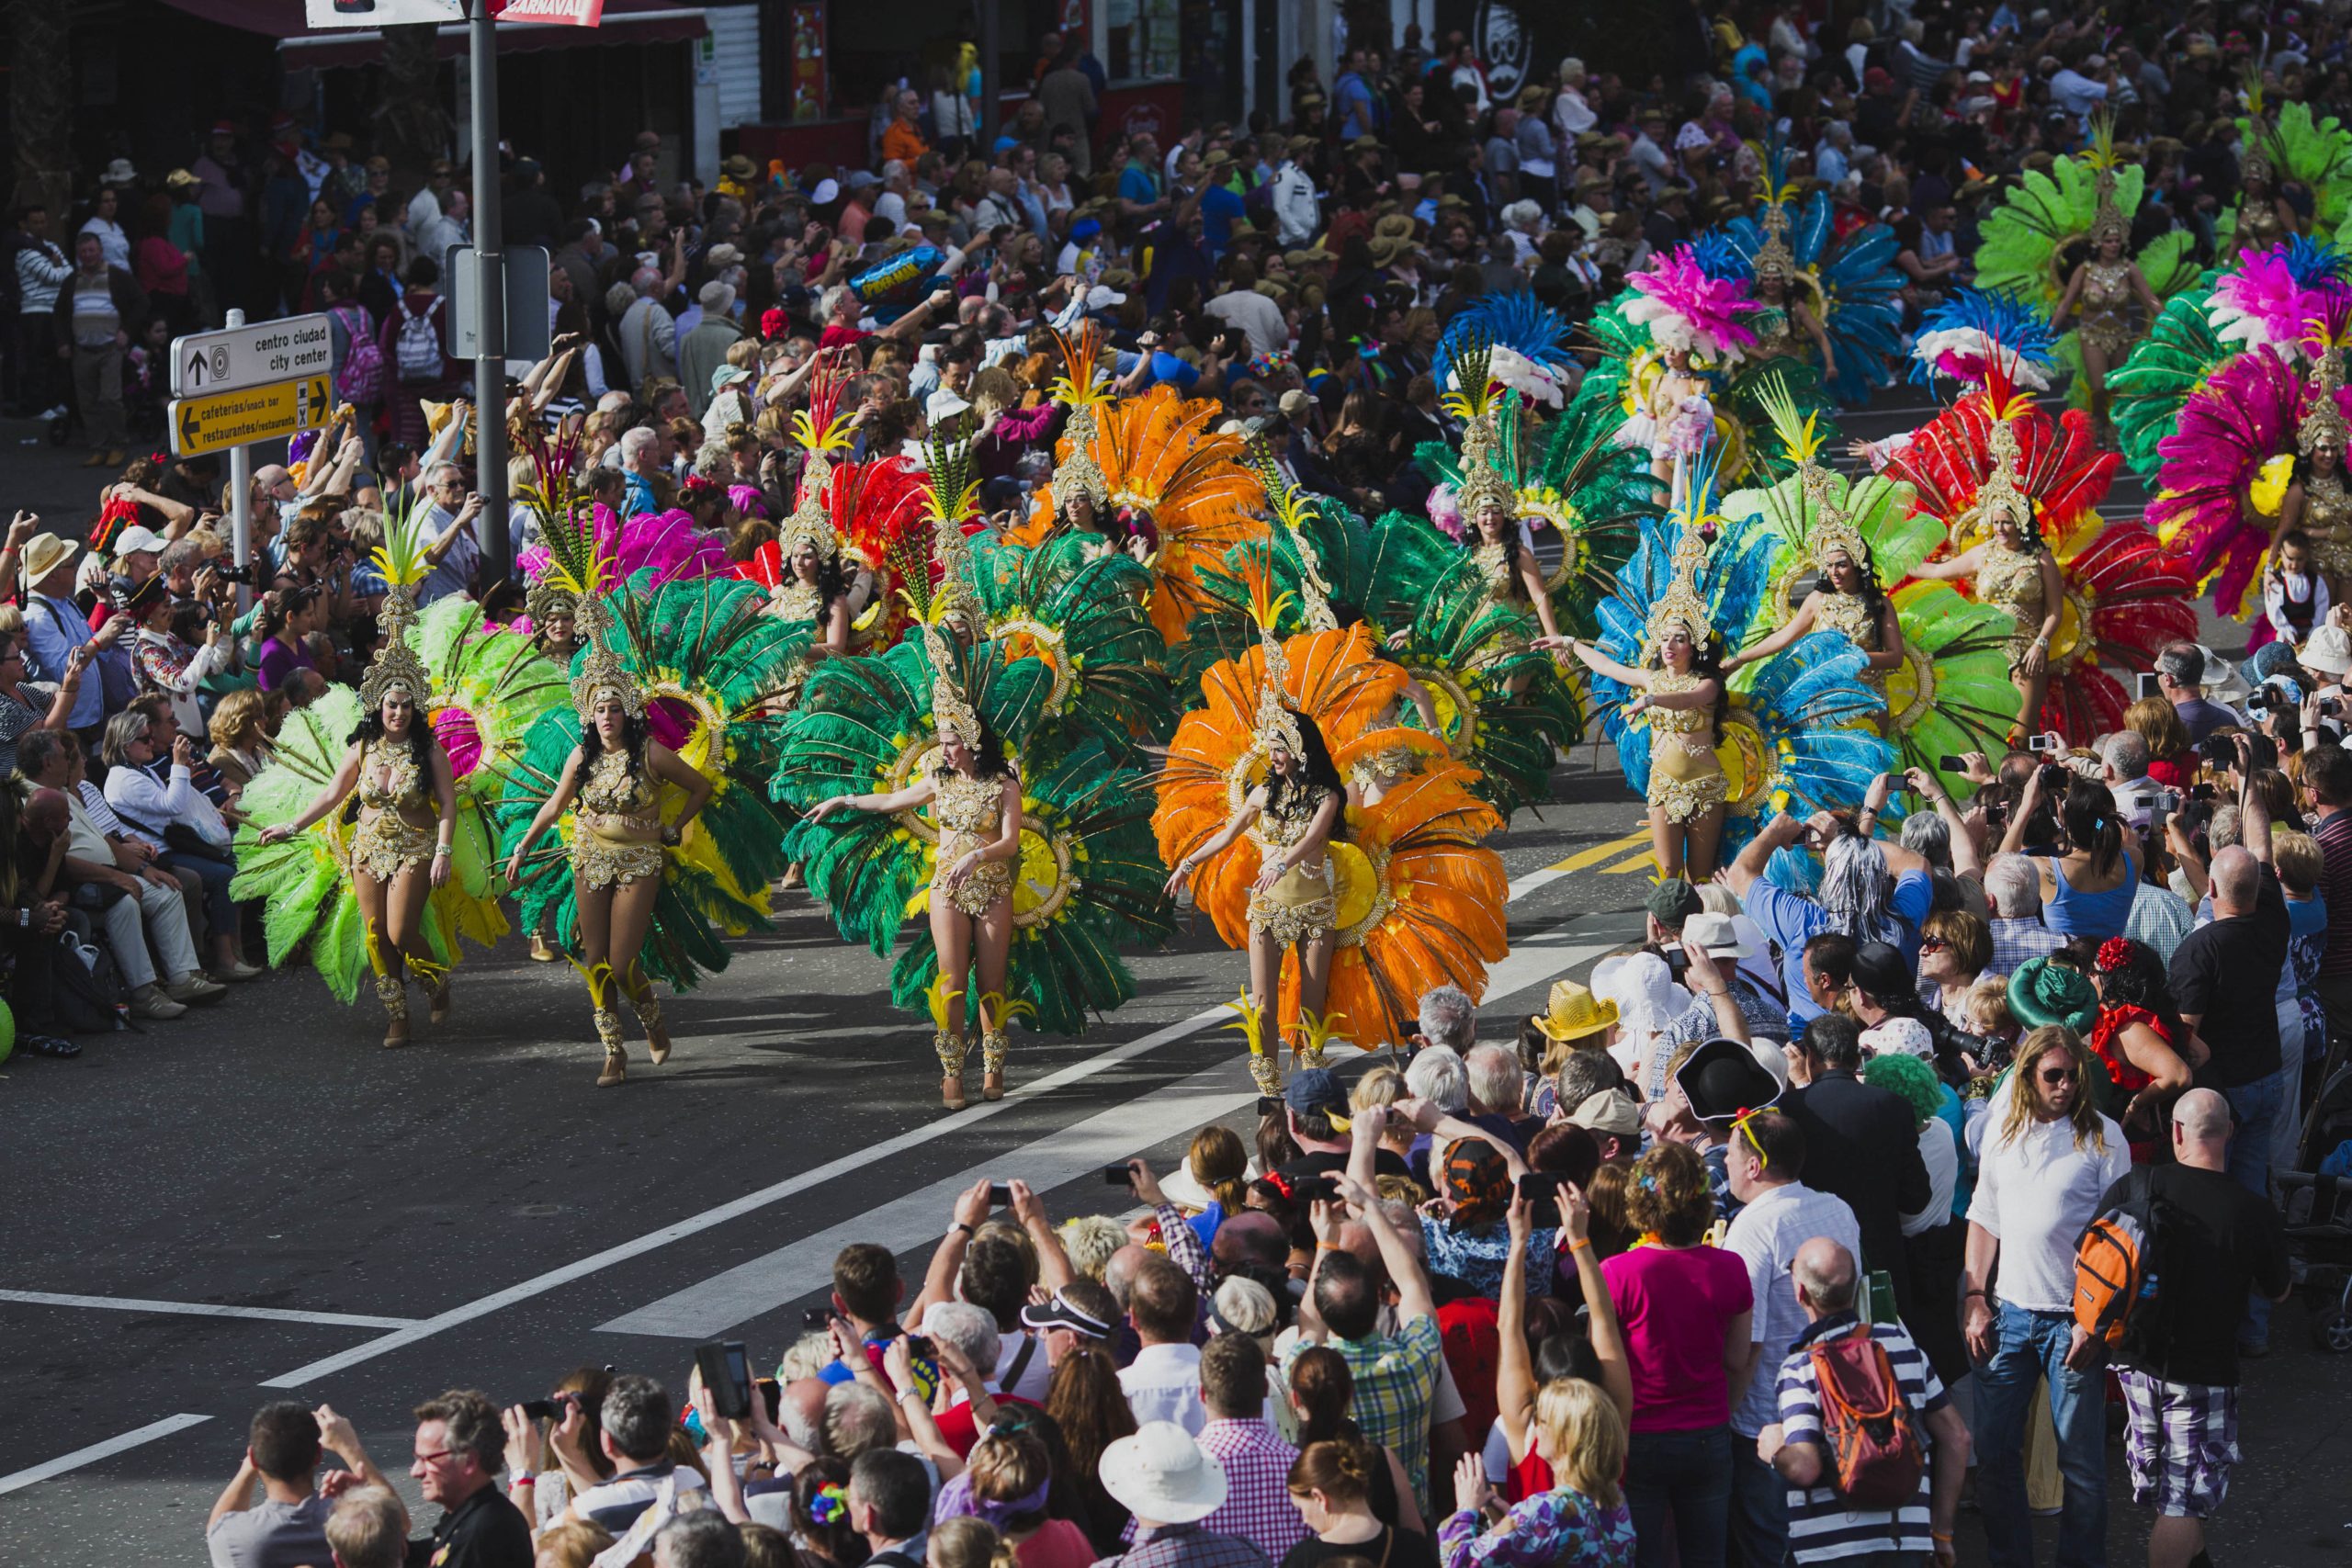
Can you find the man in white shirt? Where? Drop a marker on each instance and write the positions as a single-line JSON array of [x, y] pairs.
[[2047, 1159], [1780, 1213], [1242, 305], [1296, 215], [2079, 92], [1163, 1383], [2123, 763]]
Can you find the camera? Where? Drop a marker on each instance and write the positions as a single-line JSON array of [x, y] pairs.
[[1118, 1175], [2167, 801], [552, 1408], [817, 1318], [1270, 1105], [2054, 777], [726, 1370], [242, 575], [2330, 707], [1314, 1190], [1950, 764], [1000, 1194], [2042, 743]]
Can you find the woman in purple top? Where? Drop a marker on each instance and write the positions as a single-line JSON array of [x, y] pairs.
[[288, 617], [1582, 1522], [1685, 1308]]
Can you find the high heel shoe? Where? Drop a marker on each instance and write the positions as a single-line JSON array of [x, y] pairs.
[[392, 992], [951, 1049], [649, 1014], [608, 1029], [993, 1048]]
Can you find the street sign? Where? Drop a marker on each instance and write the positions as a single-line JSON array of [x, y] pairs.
[[211, 422], [255, 355], [379, 12], [528, 327], [569, 13]]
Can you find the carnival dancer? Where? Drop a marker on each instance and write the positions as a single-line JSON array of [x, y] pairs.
[[2012, 569], [2103, 290], [1682, 690], [616, 773], [973, 795], [1699, 324], [393, 801]]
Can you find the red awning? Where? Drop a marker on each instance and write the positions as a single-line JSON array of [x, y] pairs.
[[625, 22]]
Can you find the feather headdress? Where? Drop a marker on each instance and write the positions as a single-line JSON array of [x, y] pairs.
[[1689, 311]]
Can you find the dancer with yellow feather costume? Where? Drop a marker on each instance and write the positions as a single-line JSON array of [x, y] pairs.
[[387, 822]]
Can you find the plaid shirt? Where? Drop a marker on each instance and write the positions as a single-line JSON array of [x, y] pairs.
[[1256, 1505], [2015, 940], [1186, 1546], [1396, 1380]]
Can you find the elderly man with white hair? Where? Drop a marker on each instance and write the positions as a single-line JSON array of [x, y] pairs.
[[2123, 763], [1448, 1018], [647, 333], [2013, 892], [640, 448]]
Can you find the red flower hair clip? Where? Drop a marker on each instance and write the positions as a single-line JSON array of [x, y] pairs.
[[2114, 953]]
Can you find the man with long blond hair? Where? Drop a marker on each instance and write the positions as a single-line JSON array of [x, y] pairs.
[[2047, 1159]]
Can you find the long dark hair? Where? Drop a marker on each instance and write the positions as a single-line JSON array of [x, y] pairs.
[[634, 736], [1317, 770], [1471, 539], [1872, 596], [1707, 663], [422, 742], [830, 583], [2091, 823], [987, 757], [280, 605]]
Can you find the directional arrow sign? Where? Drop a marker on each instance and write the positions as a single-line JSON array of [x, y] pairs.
[[255, 413], [252, 355]]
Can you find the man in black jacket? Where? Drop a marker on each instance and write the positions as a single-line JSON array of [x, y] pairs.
[[100, 309], [1861, 1145]]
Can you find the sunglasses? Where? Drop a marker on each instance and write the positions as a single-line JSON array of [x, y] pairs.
[[1932, 944], [2057, 1074]]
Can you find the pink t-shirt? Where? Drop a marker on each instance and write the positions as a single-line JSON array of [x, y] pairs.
[[1057, 1544], [1676, 1307]]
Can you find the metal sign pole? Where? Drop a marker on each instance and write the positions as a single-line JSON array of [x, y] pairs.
[[240, 500], [490, 365]]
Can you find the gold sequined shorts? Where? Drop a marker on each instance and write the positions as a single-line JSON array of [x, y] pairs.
[[383, 845], [610, 862], [989, 880], [1686, 785], [1299, 907], [2113, 338]]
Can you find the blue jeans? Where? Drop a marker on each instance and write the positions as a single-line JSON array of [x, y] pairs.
[[2032, 1346], [1760, 1509], [2258, 1106], [1689, 1474], [220, 909]]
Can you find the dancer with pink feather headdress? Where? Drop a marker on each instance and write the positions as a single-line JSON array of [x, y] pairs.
[[1697, 323]]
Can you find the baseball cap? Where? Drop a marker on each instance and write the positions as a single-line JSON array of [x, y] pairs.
[[1316, 1088], [1671, 902], [1061, 1313]]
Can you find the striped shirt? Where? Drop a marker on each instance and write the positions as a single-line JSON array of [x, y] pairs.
[[2334, 836], [1822, 1526], [616, 1504]]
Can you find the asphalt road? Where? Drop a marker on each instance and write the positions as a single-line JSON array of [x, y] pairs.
[[257, 1201]]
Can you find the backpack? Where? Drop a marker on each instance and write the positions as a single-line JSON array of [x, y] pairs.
[[417, 349], [2116, 1276], [360, 378], [1867, 1423]]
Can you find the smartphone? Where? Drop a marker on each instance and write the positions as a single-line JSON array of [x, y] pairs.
[[2201, 792], [1000, 1194], [1314, 1190], [817, 1318], [543, 1409], [2040, 743], [1540, 1188], [1270, 1105], [726, 1370], [1118, 1175], [1950, 764], [2145, 684]]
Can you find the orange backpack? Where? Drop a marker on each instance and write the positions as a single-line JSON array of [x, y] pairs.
[[2115, 1270], [1867, 1422]]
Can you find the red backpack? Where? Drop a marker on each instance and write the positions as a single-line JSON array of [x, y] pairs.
[[1866, 1422]]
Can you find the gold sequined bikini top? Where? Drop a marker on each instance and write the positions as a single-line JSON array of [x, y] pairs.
[[406, 790], [2108, 284], [2012, 579], [969, 805], [1678, 721], [611, 790], [1286, 824], [2328, 505], [1848, 613]]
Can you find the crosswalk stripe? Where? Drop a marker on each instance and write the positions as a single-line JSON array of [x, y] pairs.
[[1645, 861], [1583, 858]]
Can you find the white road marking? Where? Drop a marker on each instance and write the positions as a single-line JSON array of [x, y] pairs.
[[96, 1451], [763, 1283], [204, 1309], [1500, 981]]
